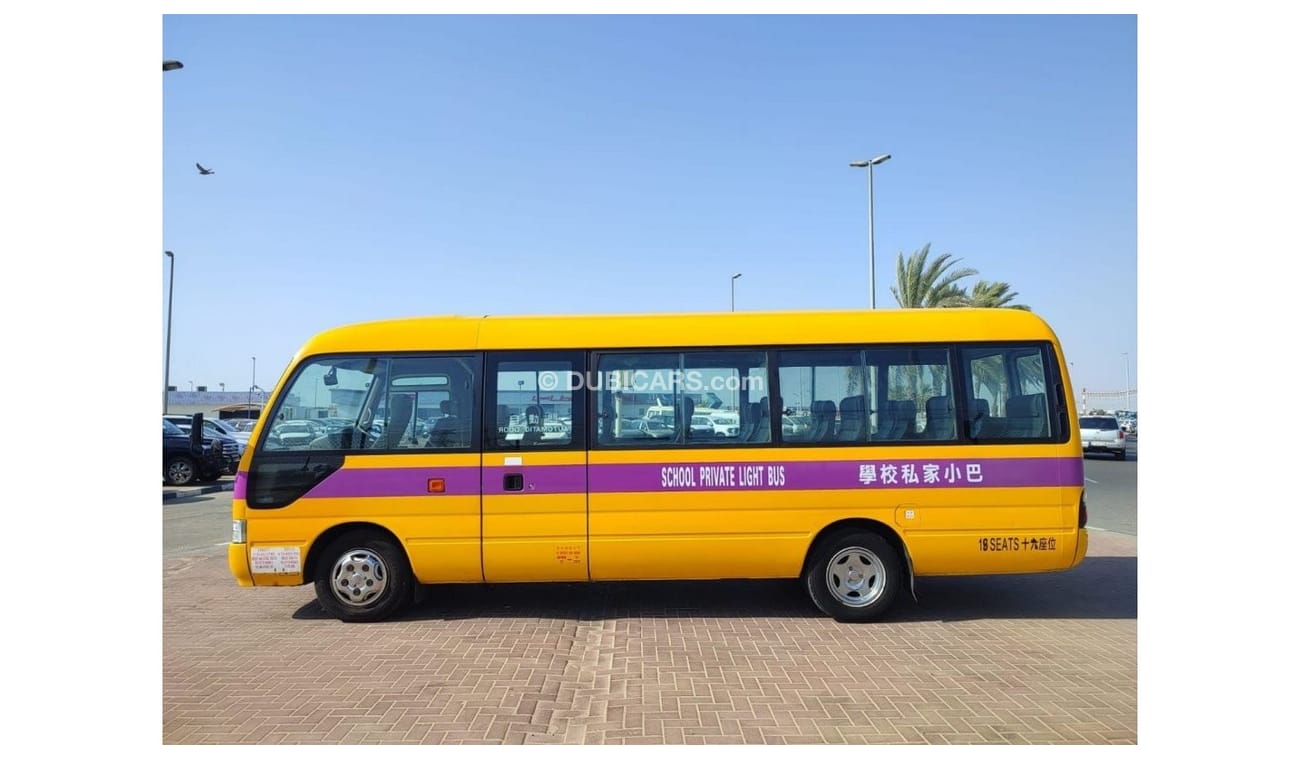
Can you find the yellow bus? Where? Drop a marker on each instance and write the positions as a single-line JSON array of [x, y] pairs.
[[873, 447]]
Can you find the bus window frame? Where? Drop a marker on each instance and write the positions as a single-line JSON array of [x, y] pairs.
[[677, 443], [492, 361]]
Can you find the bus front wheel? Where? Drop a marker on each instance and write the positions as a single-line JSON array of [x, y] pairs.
[[853, 576], [363, 577]]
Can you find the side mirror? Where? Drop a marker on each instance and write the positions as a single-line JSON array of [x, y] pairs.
[[331, 377]]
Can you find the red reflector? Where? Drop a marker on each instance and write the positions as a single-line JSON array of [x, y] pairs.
[[437, 485]]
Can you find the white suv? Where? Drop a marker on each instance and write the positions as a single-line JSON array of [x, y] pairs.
[[1101, 432]]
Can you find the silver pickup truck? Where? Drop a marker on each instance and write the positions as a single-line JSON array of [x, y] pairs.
[[1102, 433]]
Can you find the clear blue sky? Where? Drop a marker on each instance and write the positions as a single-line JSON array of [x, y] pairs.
[[383, 166]]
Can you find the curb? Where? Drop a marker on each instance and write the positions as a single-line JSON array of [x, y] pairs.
[[181, 493]]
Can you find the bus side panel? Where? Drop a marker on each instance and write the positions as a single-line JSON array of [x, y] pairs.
[[996, 530], [538, 530], [1016, 513], [669, 515], [440, 530], [701, 514]]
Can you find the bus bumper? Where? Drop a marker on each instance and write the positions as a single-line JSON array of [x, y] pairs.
[[1080, 548], [237, 558]]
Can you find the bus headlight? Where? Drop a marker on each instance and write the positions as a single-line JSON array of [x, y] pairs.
[[238, 532]]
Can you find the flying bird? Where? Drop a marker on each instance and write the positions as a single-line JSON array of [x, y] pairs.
[[203, 170]]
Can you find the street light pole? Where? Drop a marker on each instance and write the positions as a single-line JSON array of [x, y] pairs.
[[1128, 401], [171, 65], [734, 277], [167, 363], [250, 389], [871, 232]]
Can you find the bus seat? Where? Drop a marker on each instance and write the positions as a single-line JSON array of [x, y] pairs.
[[853, 419], [906, 417], [939, 419], [977, 417], [400, 408], [824, 421], [447, 427], [1026, 417], [762, 432], [534, 420], [748, 420]]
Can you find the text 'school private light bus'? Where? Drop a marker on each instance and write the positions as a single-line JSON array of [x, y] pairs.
[[853, 450]]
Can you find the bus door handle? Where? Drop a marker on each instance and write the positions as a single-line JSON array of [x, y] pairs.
[[513, 481]]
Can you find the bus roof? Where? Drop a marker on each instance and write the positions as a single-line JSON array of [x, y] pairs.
[[710, 329]]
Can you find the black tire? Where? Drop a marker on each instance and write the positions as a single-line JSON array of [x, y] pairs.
[[864, 575], [1121, 455], [181, 471], [363, 577]]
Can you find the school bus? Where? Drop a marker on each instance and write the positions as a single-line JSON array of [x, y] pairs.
[[503, 449]]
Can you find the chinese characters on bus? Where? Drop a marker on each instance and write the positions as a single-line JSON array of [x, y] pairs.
[[910, 473]]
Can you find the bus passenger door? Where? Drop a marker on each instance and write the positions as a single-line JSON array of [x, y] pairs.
[[534, 467]]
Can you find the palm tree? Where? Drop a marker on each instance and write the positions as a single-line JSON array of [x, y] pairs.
[[993, 295], [929, 285]]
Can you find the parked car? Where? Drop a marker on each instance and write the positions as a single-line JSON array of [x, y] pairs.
[[794, 426], [644, 428], [214, 427], [240, 424], [231, 447], [295, 434], [725, 424], [1101, 432], [232, 431], [183, 463], [701, 426]]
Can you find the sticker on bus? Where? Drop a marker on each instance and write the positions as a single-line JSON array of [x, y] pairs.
[[276, 559]]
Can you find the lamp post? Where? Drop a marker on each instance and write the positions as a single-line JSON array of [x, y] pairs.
[[734, 277], [167, 363], [170, 65], [1128, 401], [250, 389], [871, 233]]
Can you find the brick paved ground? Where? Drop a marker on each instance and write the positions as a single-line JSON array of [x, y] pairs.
[[1044, 659]]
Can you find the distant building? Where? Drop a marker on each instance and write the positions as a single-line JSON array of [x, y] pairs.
[[220, 404]]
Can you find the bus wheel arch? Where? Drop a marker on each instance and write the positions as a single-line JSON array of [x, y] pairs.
[[361, 573], [854, 569]]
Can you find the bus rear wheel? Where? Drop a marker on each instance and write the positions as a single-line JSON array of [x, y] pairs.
[[363, 577], [853, 575]]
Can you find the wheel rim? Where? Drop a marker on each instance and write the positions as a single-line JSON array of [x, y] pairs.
[[359, 577], [180, 472], [855, 576]]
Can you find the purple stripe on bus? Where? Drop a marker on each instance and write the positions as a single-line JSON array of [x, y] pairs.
[[551, 478], [396, 481], [241, 485], [709, 476], [863, 473]]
